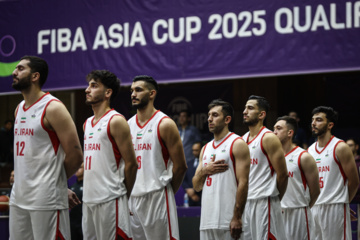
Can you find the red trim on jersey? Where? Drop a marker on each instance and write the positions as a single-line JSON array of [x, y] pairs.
[[307, 224], [84, 125], [303, 178], [221, 141], [247, 140], [265, 153], [291, 151], [338, 162], [137, 122], [115, 148], [233, 158], [58, 234], [52, 134], [164, 151], [92, 120], [204, 150], [270, 235], [325, 145], [168, 214], [17, 110], [344, 221], [25, 109]]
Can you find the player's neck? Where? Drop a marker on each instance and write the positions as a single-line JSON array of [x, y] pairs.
[[184, 126], [221, 135], [288, 146], [31, 95], [324, 139], [144, 114], [100, 109], [255, 129]]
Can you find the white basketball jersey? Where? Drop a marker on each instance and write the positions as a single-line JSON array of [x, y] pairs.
[[297, 192], [332, 179], [103, 165], [154, 163], [219, 190], [262, 177], [40, 177]]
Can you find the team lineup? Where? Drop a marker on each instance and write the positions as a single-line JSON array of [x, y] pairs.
[[257, 186]]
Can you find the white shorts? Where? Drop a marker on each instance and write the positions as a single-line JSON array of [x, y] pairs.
[[299, 223], [332, 221], [216, 234], [107, 220], [263, 219], [39, 224], [154, 216]]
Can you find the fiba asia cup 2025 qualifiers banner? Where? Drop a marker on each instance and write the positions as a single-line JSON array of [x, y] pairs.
[[178, 41]]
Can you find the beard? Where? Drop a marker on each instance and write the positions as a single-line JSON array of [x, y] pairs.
[[142, 104], [251, 122], [22, 84], [320, 132], [95, 100]]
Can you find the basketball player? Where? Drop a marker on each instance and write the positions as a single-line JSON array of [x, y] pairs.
[[161, 165], [268, 175], [109, 162], [223, 175], [46, 151], [338, 178], [303, 183]]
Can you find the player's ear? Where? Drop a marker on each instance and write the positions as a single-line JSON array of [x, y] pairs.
[[262, 114], [227, 119], [152, 93], [108, 92]]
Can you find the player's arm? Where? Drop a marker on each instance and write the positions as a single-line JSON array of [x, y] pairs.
[[348, 164], [242, 162], [171, 138], [273, 148], [58, 119], [308, 165], [120, 131], [200, 175]]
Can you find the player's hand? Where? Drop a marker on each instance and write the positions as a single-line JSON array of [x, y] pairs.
[[236, 228], [192, 194], [73, 199], [352, 215], [216, 166]]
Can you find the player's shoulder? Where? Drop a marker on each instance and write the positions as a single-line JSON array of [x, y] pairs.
[[306, 156], [55, 105], [117, 119], [269, 136], [167, 122]]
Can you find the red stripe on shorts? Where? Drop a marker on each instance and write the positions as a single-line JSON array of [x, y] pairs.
[[168, 214], [58, 234]]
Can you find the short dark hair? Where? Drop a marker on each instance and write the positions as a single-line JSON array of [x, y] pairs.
[[150, 82], [262, 103], [39, 65], [354, 140], [187, 111], [227, 109], [290, 123], [107, 78], [330, 113]]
